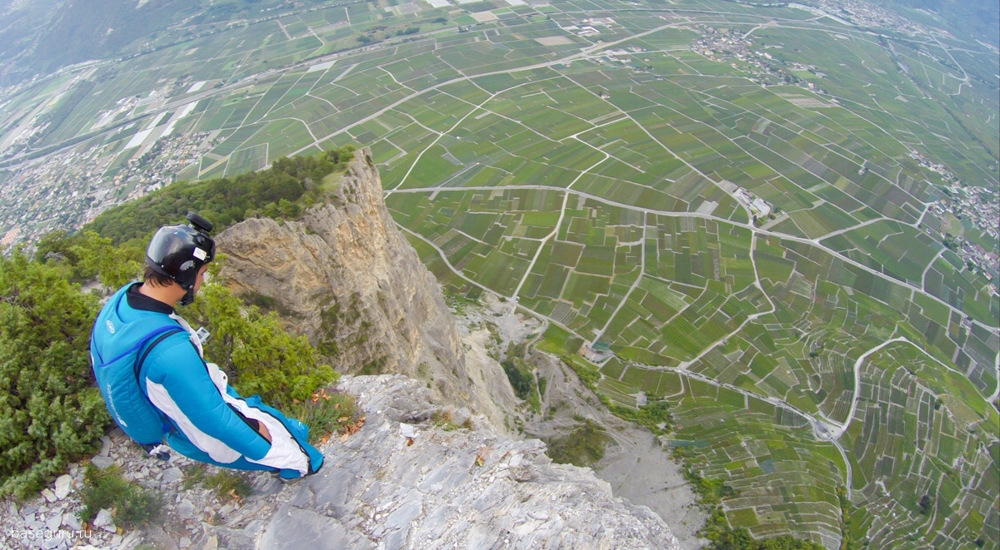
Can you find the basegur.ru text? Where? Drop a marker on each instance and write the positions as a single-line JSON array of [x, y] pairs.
[[47, 534]]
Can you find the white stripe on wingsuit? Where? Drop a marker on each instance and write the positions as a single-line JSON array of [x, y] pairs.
[[216, 449], [285, 452]]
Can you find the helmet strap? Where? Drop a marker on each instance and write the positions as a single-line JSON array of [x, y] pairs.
[[188, 296]]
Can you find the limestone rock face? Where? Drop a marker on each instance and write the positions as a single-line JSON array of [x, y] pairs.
[[348, 279], [403, 482]]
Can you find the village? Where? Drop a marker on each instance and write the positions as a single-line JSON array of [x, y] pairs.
[[71, 188], [980, 208]]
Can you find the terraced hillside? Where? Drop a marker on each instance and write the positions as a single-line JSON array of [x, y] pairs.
[[780, 220]]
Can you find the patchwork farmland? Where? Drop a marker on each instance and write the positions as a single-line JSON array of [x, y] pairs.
[[737, 203]]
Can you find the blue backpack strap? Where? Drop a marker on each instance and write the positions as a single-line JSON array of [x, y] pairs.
[[93, 344], [163, 333], [142, 342]]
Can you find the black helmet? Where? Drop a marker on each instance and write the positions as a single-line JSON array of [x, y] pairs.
[[179, 251]]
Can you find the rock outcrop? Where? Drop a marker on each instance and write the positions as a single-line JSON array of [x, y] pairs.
[[349, 280], [402, 482], [405, 480]]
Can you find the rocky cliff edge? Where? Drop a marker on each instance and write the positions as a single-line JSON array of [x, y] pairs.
[[345, 276], [403, 481]]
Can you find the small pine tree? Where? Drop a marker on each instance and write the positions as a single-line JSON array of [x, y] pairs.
[[50, 413]]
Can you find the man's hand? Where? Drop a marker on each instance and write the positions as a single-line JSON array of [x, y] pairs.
[[263, 431]]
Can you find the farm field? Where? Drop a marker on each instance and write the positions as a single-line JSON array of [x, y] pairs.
[[603, 165]]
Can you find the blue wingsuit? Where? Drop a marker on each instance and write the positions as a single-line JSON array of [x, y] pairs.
[[203, 418]]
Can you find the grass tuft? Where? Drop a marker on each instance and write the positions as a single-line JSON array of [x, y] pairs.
[[326, 412], [443, 419], [226, 484], [130, 503]]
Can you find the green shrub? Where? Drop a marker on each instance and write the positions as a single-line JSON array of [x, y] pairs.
[[521, 381], [655, 415], [274, 193], [587, 374], [130, 503], [194, 474], [88, 255], [443, 419], [723, 537], [229, 484], [847, 539], [521, 378], [717, 530], [582, 447], [256, 351], [710, 491], [50, 413]]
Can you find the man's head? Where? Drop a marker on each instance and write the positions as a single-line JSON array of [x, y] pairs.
[[179, 254]]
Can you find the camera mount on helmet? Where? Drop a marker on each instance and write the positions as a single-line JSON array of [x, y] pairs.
[[179, 252], [201, 224]]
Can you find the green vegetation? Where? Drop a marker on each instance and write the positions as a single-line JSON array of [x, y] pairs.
[[374, 366], [379, 33], [278, 192], [654, 415], [522, 377], [581, 447], [718, 530], [710, 491], [847, 534], [326, 412], [50, 412], [225, 484], [443, 418], [89, 256], [723, 537], [587, 374], [285, 370], [599, 193], [131, 505], [521, 381]]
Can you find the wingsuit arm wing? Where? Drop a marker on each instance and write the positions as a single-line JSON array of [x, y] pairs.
[[178, 382]]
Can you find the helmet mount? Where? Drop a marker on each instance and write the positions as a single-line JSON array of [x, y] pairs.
[[179, 252], [199, 223]]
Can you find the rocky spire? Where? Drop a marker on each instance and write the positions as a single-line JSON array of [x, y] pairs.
[[345, 276]]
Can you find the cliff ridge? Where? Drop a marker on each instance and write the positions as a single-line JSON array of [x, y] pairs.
[[345, 276], [405, 480]]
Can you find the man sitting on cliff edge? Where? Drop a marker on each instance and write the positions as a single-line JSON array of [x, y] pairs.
[[159, 389]]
